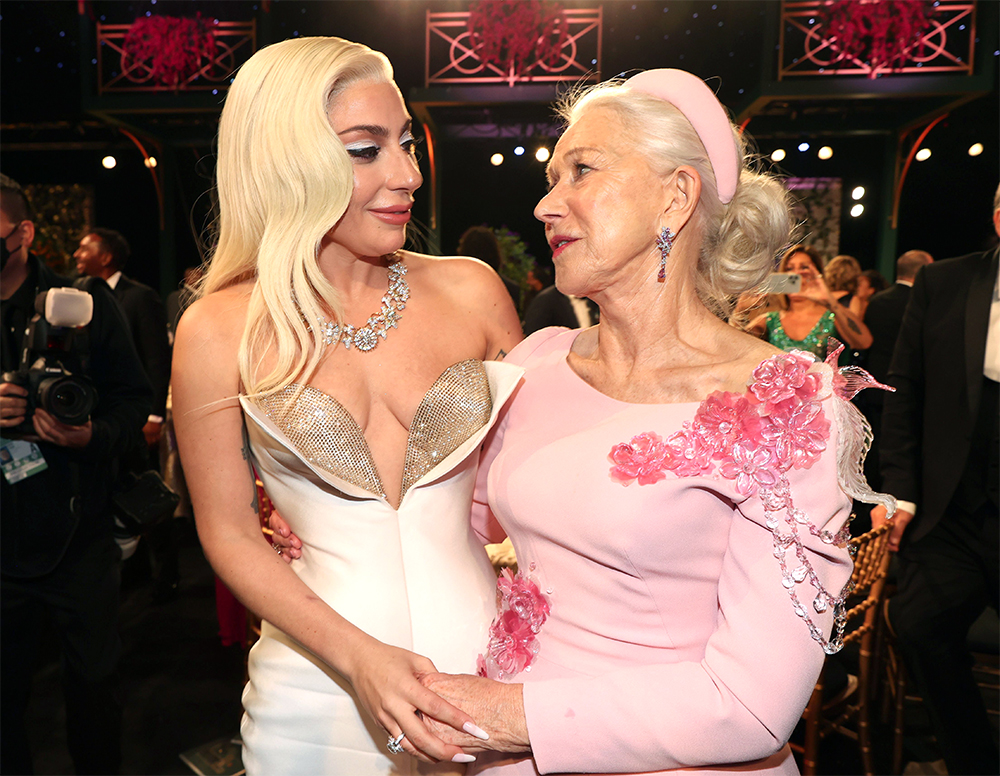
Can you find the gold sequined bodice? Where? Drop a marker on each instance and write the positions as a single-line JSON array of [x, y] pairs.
[[324, 433]]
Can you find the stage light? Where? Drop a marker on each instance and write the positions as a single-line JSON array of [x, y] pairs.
[[923, 155], [777, 154], [857, 192], [857, 210], [975, 149], [825, 152], [803, 147], [542, 154], [519, 151], [150, 162], [496, 160], [109, 162]]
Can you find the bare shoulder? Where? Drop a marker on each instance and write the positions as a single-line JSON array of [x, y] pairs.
[[463, 272], [209, 333]]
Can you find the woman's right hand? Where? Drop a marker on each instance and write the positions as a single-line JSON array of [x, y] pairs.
[[387, 682]]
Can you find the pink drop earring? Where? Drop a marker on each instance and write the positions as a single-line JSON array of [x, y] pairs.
[[664, 242]]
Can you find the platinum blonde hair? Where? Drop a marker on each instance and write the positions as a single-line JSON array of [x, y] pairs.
[[742, 239], [284, 180]]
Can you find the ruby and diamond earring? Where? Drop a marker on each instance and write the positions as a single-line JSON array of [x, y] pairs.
[[664, 242]]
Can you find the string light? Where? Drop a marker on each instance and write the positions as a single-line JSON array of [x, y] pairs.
[[923, 155], [825, 152], [858, 192], [109, 162], [777, 154], [857, 210], [150, 162], [542, 154], [975, 149], [496, 160]]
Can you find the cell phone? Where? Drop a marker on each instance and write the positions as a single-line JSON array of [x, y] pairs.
[[782, 283]]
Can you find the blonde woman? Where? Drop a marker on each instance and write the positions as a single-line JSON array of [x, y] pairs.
[[355, 378]]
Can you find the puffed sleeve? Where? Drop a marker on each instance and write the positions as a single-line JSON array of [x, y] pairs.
[[741, 701]]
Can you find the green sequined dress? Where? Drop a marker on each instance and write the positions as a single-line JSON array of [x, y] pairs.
[[814, 342]]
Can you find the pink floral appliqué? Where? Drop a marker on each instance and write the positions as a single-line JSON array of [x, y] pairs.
[[643, 459], [783, 377], [522, 610]]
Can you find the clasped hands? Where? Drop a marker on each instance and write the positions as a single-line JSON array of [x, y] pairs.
[[441, 718]]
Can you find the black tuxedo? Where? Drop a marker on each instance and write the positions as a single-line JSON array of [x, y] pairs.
[[937, 371], [939, 448], [553, 308], [147, 320]]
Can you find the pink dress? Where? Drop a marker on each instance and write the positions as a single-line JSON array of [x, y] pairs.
[[662, 617]]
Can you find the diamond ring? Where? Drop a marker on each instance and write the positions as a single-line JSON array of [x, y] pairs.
[[394, 745]]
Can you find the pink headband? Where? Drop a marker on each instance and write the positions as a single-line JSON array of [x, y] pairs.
[[692, 97]]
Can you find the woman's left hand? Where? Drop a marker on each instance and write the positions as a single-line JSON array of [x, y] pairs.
[[498, 709], [289, 544]]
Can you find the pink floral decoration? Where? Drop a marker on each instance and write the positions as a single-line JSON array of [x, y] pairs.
[[751, 468], [783, 377], [691, 454], [797, 434], [724, 418], [521, 612], [644, 458]]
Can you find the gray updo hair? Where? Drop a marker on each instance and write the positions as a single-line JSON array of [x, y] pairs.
[[742, 238]]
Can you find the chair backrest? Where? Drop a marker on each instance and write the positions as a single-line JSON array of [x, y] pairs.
[[871, 564]]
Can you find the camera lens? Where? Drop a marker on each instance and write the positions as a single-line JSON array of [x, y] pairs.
[[69, 399]]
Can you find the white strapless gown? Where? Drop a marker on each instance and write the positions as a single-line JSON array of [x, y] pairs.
[[416, 577]]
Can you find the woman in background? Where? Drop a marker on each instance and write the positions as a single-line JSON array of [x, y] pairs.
[[810, 317], [870, 282]]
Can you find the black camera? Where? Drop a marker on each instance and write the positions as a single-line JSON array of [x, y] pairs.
[[54, 354]]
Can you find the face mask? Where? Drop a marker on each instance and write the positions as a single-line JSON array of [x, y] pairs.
[[4, 253]]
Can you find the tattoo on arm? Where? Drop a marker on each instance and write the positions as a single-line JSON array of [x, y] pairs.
[[853, 326], [500, 355], [245, 452]]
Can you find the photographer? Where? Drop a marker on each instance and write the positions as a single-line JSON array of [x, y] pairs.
[[58, 557]]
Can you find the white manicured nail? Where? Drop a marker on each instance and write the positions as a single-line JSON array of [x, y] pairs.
[[463, 758], [475, 730]]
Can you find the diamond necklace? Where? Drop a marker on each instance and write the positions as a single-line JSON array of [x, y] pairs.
[[366, 337]]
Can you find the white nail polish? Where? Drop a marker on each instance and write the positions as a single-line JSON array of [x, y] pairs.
[[475, 730], [463, 758]]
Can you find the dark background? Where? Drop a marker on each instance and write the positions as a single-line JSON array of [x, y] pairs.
[[945, 206]]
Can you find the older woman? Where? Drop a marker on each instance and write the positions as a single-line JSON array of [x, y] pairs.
[[810, 317], [670, 484]]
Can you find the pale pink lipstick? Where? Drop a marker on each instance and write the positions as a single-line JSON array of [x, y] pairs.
[[397, 216]]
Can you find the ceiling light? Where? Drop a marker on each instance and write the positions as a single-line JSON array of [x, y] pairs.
[[109, 162], [150, 162], [858, 192], [519, 151], [803, 147], [542, 154], [857, 210], [825, 152], [777, 154], [923, 155], [975, 149], [496, 160]]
